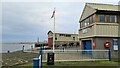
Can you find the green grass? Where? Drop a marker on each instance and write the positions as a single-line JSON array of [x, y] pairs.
[[84, 63], [62, 64]]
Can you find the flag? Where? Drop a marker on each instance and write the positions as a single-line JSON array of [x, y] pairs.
[[53, 14]]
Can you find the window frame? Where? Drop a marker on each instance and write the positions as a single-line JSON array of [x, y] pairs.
[[115, 19], [108, 21], [100, 18], [91, 19]]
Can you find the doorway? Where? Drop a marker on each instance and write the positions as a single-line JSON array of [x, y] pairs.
[[87, 45]]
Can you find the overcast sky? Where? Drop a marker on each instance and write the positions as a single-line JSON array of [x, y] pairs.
[[24, 21]]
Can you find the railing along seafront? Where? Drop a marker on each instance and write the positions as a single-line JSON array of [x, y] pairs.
[[70, 55], [78, 55]]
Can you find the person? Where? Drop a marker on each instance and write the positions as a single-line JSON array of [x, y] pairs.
[[23, 48], [8, 51], [31, 48], [61, 47]]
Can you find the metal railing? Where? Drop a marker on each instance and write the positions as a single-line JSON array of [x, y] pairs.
[[70, 55], [78, 55]]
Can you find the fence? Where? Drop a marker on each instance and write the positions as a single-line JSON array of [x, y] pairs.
[[71, 55], [78, 55]]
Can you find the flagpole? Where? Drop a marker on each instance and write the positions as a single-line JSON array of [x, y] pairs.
[[54, 33]]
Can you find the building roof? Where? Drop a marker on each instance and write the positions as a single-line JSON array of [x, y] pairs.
[[67, 33], [62, 33], [91, 8], [107, 7], [50, 32]]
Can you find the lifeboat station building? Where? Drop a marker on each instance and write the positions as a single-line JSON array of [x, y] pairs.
[[99, 27], [64, 39]]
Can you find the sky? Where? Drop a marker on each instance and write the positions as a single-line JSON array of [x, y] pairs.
[[26, 20]]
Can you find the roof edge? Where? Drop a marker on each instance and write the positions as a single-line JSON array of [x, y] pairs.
[[102, 4]]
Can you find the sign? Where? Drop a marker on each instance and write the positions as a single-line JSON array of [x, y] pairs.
[[86, 30], [40, 62], [115, 44]]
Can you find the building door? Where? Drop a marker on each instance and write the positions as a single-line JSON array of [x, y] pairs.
[[87, 45]]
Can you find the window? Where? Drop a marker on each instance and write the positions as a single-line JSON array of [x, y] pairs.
[[80, 24], [83, 24], [73, 38], [101, 18], [55, 38], [107, 18], [68, 35], [61, 35], [113, 18], [91, 20], [86, 22]]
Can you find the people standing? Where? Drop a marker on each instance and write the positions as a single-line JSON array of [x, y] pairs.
[[31, 48], [23, 48]]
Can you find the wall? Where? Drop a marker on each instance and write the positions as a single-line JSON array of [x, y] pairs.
[[106, 29], [100, 46], [50, 41], [50, 35], [100, 29]]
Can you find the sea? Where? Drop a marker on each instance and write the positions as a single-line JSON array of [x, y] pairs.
[[4, 48]]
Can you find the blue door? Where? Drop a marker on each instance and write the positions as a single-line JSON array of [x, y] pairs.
[[87, 45]]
